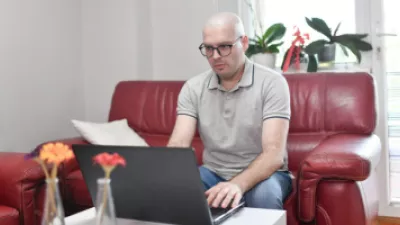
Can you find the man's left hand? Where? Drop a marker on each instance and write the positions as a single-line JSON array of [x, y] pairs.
[[222, 194]]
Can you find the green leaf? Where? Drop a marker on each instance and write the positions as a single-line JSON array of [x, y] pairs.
[[270, 31], [312, 64], [350, 37], [273, 48], [274, 33], [252, 50], [265, 43], [277, 45], [320, 26], [344, 50], [258, 37], [259, 40], [362, 45], [315, 47], [353, 49], [355, 40], [336, 30], [284, 58]]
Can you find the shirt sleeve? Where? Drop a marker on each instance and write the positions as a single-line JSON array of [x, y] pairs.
[[187, 102], [276, 98]]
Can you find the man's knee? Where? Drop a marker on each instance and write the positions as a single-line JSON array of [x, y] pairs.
[[269, 194], [262, 196]]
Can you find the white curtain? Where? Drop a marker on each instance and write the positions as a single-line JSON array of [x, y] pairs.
[[257, 10]]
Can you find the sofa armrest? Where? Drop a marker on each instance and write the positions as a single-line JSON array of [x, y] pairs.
[[19, 179], [342, 156]]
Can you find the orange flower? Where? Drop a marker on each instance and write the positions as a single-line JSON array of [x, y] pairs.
[[106, 159], [55, 153]]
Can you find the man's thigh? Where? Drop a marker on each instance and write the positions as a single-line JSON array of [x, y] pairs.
[[270, 193], [209, 178]]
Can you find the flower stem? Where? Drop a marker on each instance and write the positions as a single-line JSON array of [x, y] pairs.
[[52, 184], [46, 173], [107, 171]]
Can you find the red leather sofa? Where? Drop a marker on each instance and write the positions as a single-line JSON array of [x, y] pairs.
[[333, 152]]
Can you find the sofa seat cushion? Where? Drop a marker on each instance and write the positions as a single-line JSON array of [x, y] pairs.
[[76, 189], [8, 215]]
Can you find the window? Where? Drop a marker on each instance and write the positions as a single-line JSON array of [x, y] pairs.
[[293, 12], [392, 67]]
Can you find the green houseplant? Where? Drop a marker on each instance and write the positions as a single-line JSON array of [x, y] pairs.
[[326, 49], [264, 48]]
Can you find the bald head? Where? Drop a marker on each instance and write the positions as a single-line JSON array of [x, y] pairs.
[[226, 20], [224, 33]]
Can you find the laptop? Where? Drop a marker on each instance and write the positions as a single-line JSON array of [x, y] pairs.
[[158, 184]]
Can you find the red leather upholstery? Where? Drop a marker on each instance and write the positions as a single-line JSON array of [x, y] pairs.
[[19, 180], [332, 150], [9, 215], [341, 156]]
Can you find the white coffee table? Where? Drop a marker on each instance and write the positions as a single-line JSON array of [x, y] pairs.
[[248, 216]]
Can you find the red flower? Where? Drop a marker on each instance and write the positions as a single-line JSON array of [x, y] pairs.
[[109, 160], [294, 49]]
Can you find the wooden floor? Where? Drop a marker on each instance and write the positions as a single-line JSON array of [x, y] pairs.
[[382, 220]]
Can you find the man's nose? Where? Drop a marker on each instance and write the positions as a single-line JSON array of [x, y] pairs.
[[216, 55]]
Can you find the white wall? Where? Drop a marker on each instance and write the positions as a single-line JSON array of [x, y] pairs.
[[146, 40], [110, 52], [176, 37], [41, 84], [60, 60]]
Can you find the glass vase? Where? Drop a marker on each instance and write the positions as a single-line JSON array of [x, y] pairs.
[[53, 211], [105, 209]]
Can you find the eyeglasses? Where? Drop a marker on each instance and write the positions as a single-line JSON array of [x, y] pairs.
[[223, 50]]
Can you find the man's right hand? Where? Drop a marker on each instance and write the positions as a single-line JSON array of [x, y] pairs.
[[224, 194]]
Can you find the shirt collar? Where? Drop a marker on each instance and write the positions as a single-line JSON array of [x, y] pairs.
[[246, 80]]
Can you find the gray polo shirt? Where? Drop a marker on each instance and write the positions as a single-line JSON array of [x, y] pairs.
[[230, 122]]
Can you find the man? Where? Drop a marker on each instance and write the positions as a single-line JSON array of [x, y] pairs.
[[242, 111]]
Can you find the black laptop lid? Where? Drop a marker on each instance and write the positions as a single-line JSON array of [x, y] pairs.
[[158, 184]]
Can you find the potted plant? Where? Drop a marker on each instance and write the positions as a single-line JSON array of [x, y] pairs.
[[326, 49], [295, 58], [298, 62], [263, 49]]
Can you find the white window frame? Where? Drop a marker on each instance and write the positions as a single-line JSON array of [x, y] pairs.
[[386, 207]]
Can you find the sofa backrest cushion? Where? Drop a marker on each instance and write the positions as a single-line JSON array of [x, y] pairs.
[[332, 102], [320, 102], [149, 106]]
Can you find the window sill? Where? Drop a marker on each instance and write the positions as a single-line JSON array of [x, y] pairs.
[[336, 67], [395, 202]]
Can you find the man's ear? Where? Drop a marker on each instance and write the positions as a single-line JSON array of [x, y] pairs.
[[245, 43]]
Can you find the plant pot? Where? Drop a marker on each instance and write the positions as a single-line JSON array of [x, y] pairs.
[[327, 54], [302, 67], [298, 62], [265, 59]]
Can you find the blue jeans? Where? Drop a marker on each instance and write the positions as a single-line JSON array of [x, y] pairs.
[[269, 194]]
